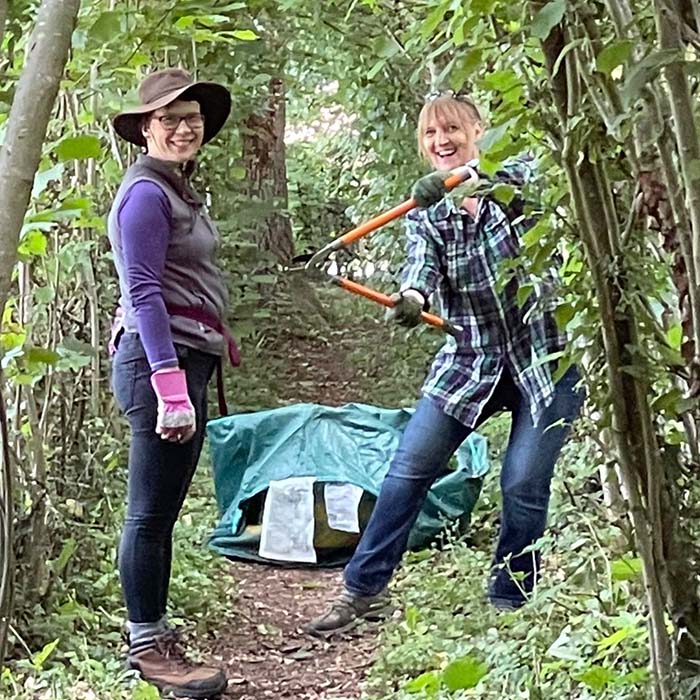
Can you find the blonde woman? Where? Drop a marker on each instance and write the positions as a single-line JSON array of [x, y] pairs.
[[454, 250]]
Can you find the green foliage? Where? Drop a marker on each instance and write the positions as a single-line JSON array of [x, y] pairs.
[[644, 72], [460, 674], [356, 75], [547, 18], [583, 630], [614, 55], [79, 148], [464, 673]]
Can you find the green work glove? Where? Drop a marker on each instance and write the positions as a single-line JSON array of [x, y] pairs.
[[407, 308], [430, 189]]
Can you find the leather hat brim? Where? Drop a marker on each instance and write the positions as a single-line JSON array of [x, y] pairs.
[[214, 101]]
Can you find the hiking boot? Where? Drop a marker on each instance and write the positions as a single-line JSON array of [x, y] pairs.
[[161, 661], [346, 612]]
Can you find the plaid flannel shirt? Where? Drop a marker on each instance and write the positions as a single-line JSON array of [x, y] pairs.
[[458, 259]]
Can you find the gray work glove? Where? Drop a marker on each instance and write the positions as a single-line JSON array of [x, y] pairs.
[[430, 189], [408, 307]]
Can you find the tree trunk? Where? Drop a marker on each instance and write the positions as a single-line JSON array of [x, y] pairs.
[[632, 423], [662, 201], [3, 19], [29, 117], [36, 92], [266, 173]]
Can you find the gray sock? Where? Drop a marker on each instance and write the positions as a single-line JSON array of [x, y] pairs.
[[141, 633]]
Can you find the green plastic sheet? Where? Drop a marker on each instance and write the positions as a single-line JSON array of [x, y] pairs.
[[351, 444]]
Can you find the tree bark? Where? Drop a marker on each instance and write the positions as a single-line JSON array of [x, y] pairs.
[[36, 92], [7, 559], [668, 27], [686, 136], [29, 117], [264, 155], [3, 19]]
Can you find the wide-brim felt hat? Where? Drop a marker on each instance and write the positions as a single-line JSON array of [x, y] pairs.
[[165, 86]]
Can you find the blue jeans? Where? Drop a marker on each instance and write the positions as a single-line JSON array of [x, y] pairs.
[[429, 440], [160, 473]]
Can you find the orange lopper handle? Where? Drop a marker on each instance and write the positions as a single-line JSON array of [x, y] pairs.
[[384, 300], [457, 176]]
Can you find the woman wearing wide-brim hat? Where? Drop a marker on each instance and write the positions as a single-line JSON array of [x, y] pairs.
[[168, 338]]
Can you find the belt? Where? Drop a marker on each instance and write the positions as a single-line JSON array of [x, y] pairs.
[[216, 324]]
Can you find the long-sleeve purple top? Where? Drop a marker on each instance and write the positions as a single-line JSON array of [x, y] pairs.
[[145, 222]]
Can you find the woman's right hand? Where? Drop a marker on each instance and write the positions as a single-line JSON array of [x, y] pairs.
[[176, 417], [430, 189]]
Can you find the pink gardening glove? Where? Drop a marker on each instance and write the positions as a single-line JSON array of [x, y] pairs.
[[176, 418]]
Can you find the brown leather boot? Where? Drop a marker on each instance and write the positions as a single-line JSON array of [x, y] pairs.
[[162, 662]]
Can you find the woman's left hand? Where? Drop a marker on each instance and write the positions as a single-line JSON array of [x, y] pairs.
[[176, 417], [407, 309]]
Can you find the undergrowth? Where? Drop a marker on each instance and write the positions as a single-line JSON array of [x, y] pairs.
[[80, 633], [582, 635]]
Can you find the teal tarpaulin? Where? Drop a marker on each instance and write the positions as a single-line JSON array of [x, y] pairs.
[[349, 444]]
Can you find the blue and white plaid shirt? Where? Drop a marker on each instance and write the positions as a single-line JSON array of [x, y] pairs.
[[459, 259]]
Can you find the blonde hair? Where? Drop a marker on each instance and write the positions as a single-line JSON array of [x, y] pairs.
[[460, 110]]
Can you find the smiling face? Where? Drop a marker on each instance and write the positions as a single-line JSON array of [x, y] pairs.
[[174, 132], [447, 133]]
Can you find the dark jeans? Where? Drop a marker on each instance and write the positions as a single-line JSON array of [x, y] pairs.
[[429, 440], [160, 473]]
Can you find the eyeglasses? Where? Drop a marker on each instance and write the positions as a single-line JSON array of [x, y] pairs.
[[459, 96], [171, 122]]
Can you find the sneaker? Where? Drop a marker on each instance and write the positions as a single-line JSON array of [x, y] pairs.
[[161, 661], [506, 604], [508, 591], [346, 612]]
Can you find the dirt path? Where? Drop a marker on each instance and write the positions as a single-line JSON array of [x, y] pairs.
[[265, 652], [262, 646]]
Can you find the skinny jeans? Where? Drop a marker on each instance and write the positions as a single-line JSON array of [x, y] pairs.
[[159, 473]]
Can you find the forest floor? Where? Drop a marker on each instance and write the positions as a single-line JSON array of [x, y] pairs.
[[262, 646], [264, 650]]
